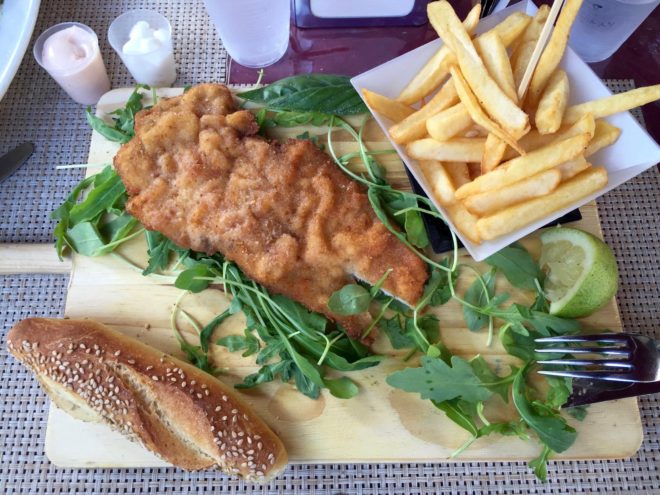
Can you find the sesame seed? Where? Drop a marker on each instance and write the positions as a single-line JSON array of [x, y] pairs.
[[234, 411], [217, 408], [206, 392], [224, 418], [259, 445], [249, 440], [117, 353], [199, 396], [83, 346], [193, 382], [131, 361], [183, 384], [154, 378], [148, 368], [224, 397]]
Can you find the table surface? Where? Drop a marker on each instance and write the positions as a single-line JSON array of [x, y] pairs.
[[36, 109]]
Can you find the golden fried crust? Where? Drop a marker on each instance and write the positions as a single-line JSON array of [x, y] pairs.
[[284, 212]]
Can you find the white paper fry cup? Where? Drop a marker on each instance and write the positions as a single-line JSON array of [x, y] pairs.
[[633, 153]]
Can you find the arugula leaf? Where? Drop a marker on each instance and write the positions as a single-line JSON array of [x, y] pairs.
[[550, 427], [396, 333], [578, 412], [239, 342], [438, 381], [310, 93], [342, 388], [100, 199], [158, 249], [454, 412], [296, 119], [352, 299], [84, 238], [122, 129], [207, 331], [190, 279], [415, 230], [540, 464], [517, 265], [495, 383], [306, 320], [478, 295]]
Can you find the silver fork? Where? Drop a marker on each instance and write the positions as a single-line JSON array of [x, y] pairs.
[[627, 357]]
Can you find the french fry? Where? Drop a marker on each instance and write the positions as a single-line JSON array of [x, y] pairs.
[[522, 50], [572, 168], [469, 99], [487, 203], [613, 104], [494, 56], [459, 149], [511, 28], [520, 61], [414, 126], [499, 106], [533, 29], [392, 109], [436, 70], [552, 103], [494, 150], [552, 53], [525, 166], [464, 221], [517, 216], [444, 187], [533, 140], [440, 181], [459, 173], [449, 123], [605, 135]]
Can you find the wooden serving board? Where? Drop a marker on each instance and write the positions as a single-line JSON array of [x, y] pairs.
[[379, 425]]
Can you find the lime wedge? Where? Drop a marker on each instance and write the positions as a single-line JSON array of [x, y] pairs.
[[581, 272]]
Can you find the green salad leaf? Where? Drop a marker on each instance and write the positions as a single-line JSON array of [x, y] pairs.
[[318, 93]]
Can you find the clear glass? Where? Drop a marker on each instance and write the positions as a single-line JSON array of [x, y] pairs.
[[602, 26], [155, 68], [254, 32], [84, 84]]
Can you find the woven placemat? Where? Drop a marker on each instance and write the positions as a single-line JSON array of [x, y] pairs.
[[36, 109]]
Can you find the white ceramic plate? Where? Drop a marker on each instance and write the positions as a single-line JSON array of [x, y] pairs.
[[17, 19]]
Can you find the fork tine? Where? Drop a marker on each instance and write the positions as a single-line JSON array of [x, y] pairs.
[[610, 338], [607, 375], [612, 351], [588, 362]]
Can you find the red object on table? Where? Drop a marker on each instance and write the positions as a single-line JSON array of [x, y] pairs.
[[351, 51]]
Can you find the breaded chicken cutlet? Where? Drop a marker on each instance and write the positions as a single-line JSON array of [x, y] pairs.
[[283, 212]]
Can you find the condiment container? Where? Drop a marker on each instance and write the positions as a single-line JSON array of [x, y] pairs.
[[70, 54], [143, 40]]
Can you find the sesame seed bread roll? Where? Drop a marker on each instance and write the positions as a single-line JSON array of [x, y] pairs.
[[183, 415]]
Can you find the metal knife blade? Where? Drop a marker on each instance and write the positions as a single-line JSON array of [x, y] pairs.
[[10, 161]]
